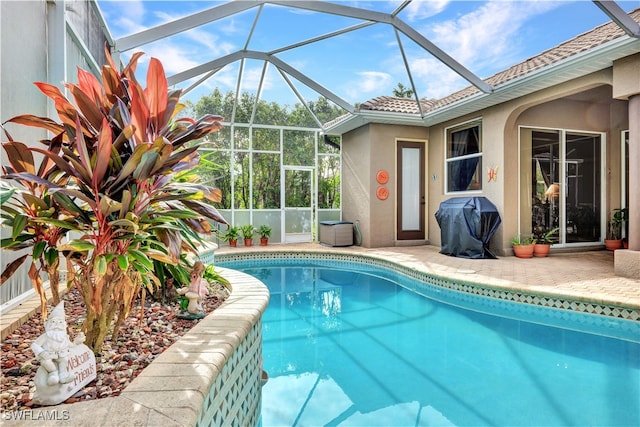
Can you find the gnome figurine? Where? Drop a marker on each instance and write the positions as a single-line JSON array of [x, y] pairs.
[[52, 348], [195, 292]]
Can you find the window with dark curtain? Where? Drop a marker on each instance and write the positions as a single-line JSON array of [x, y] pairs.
[[464, 159]]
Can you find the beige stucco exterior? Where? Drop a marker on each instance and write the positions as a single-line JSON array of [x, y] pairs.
[[626, 77], [370, 149], [583, 104]]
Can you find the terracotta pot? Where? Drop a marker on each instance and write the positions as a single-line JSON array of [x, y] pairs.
[[233, 243], [612, 245], [541, 249], [625, 244], [523, 251], [248, 242], [264, 241]]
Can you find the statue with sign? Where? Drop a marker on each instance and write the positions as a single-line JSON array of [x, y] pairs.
[[65, 366], [195, 293]]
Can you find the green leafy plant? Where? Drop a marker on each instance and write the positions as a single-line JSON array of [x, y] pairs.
[[247, 231], [619, 216], [231, 234], [130, 195], [540, 235], [212, 276], [521, 241], [264, 231], [34, 215]]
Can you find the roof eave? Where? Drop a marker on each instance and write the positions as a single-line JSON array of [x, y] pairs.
[[582, 64], [361, 118]]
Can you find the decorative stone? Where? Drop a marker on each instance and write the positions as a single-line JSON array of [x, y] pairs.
[[65, 366]]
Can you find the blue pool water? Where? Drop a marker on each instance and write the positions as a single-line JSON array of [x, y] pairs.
[[353, 348]]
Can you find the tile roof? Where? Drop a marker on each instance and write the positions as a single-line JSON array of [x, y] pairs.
[[581, 43]]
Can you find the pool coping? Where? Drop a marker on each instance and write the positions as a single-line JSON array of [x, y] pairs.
[[462, 281]]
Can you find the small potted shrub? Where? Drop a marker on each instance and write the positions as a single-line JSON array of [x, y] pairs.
[[231, 236], [264, 231], [543, 241], [614, 229], [522, 246], [247, 233]]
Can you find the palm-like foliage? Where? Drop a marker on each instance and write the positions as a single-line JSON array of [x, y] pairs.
[[34, 216], [130, 194]]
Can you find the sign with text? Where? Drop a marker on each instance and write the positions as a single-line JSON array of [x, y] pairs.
[[81, 362]]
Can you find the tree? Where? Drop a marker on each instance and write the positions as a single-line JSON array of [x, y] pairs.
[[402, 92], [264, 173]]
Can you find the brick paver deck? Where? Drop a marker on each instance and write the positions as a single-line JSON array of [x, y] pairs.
[[583, 276]]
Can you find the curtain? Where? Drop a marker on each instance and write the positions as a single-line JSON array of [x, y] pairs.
[[461, 172]]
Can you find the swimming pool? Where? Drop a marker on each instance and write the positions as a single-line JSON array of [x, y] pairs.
[[353, 345]]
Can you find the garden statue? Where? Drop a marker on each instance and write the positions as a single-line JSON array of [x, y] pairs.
[[65, 366], [195, 292]]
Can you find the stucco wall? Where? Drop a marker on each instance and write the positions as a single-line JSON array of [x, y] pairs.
[[626, 77], [356, 153], [366, 151], [584, 104]]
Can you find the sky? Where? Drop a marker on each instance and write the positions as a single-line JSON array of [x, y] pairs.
[[484, 36]]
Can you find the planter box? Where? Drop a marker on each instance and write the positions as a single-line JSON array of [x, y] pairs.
[[336, 233], [211, 376]]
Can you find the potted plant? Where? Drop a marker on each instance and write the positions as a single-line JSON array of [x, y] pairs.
[[543, 241], [120, 171], [247, 234], [231, 236], [624, 217], [614, 229], [522, 246], [264, 231]]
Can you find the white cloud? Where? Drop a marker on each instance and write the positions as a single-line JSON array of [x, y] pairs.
[[124, 17], [369, 82], [485, 40], [424, 9], [489, 34], [173, 57], [434, 79], [202, 36], [251, 79]]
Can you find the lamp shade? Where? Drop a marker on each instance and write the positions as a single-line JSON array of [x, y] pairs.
[[553, 190]]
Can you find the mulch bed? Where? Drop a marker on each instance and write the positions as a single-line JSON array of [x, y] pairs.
[[138, 344]]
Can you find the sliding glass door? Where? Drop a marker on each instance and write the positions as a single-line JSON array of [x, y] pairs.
[[563, 176]]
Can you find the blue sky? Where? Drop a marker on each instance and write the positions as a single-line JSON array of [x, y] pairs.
[[484, 36]]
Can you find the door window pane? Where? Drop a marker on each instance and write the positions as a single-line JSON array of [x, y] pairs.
[[583, 188], [410, 189], [297, 189], [546, 185], [565, 184]]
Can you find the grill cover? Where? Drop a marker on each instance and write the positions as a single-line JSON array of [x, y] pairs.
[[466, 226]]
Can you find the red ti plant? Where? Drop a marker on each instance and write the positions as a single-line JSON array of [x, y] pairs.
[[129, 193], [34, 216]]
